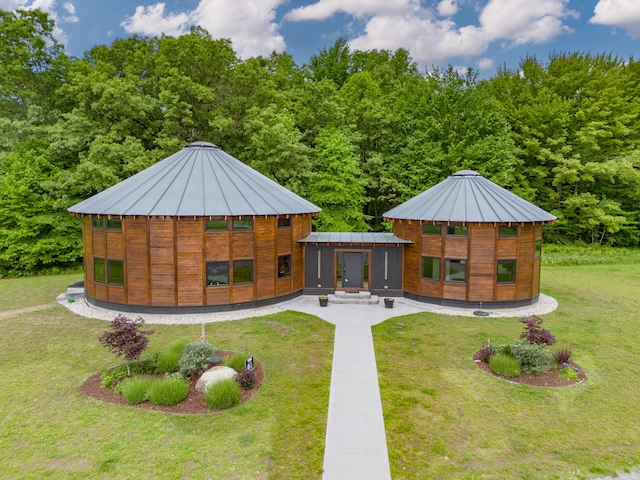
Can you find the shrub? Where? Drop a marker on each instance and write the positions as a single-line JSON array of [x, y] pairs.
[[534, 333], [569, 373], [169, 359], [504, 365], [562, 355], [148, 365], [194, 357], [125, 338], [532, 357], [246, 379], [169, 391], [506, 350], [223, 394], [486, 352], [134, 389], [235, 361]]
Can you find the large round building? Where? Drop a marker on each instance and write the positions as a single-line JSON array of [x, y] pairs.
[[472, 243], [197, 231]]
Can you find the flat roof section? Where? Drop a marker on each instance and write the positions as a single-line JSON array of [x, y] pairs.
[[354, 238]]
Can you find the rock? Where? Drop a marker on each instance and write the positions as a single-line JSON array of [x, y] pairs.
[[214, 375]]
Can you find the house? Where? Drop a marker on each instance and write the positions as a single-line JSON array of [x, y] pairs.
[[201, 231]]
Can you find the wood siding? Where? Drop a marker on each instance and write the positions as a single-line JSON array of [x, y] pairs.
[[164, 260]]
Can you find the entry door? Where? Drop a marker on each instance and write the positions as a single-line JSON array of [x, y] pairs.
[[352, 271]]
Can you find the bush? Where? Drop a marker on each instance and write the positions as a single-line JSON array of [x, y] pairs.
[[506, 350], [169, 360], [223, 394], [486, 352], [235, 361], [246, 379], [569, 373], [169, 391], [134, 389], [194, 357], [504, 365], [562, 355], [532, 357], [126, 338], [534, 333]]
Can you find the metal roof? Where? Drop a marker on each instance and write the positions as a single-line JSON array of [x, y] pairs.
[[467, 196], [199, 180], [374, 238]]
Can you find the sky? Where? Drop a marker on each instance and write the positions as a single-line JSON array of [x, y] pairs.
[[482, 34]]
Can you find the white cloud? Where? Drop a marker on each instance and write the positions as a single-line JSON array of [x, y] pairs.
[[47, 6], [619, 13], [484, 64], [430, 38], [71, 16], [324, 9], [248, 23], [447, 8]]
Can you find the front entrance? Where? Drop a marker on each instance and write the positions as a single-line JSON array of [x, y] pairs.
[[352, 270]]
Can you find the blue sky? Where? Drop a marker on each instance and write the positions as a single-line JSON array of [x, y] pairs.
[[483, 34]]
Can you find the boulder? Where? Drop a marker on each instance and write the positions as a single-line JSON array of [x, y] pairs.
[[214, 375]]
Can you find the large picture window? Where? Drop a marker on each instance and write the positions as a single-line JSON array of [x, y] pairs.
[[506, 271], [243, 224], [242, 271], [457, 230], [217, 274], [508, 230], [217, 225], [431, 268], [116, 272], [284, 266], [430, 229], [455, 270], [98, 270]]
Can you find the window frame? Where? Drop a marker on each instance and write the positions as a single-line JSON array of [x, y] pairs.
[[537, 249], [237, 222], [513, 273], [103, 268], [432, 225], [226, 263], [501, 234], [433, 270], [111, 263], [208, 229], [118, 221], [451, 230], [237, 265], [287, 264], [93, 223], [447, 268], [284, 222]]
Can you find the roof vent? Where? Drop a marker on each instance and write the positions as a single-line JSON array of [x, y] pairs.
[[466, 173], [201, 145]]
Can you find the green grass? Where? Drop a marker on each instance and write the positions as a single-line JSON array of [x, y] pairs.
[[49, 429], [17, 293], [168, 391], [223, 394], [504, 365], [445, 418], [169, 359], [235, 361], [134, 389]]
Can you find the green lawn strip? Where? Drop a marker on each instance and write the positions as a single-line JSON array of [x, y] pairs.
[[48, 429], [445, 418], [16, 293]]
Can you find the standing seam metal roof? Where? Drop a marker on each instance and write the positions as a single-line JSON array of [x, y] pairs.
[[199, 180], [467, 196], [374, 238]]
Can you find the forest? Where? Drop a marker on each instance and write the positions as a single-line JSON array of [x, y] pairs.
[[354, 132]]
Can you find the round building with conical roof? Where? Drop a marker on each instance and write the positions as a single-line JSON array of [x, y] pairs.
[[197, 231], [472, 243]]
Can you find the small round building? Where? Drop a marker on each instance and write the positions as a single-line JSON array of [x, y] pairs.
[[472, 243], [197, 231]]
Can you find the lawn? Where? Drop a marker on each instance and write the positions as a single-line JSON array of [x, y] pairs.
[[48, 429], [445, 418]]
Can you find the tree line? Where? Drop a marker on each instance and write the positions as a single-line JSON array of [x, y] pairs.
[[354, 132]]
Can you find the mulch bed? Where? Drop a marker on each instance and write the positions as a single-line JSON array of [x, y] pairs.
[[549, 378], [193, 404]]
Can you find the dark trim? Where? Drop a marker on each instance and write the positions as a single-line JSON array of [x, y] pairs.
[[387, 293], [191, 309], [471, 304]]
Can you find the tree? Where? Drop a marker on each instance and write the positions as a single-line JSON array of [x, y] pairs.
[[126, 339]]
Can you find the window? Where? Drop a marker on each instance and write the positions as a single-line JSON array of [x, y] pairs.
[[455, 270], [116, 272], [217, 273], [284, 266], [460, 230], [114, 223], [242, 224], [431, 268], [242, 271], [538, 248], [429, 229], [98, 270], [217, 225], [506, 271], [284, 222], [97, 222], [508, 230]]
